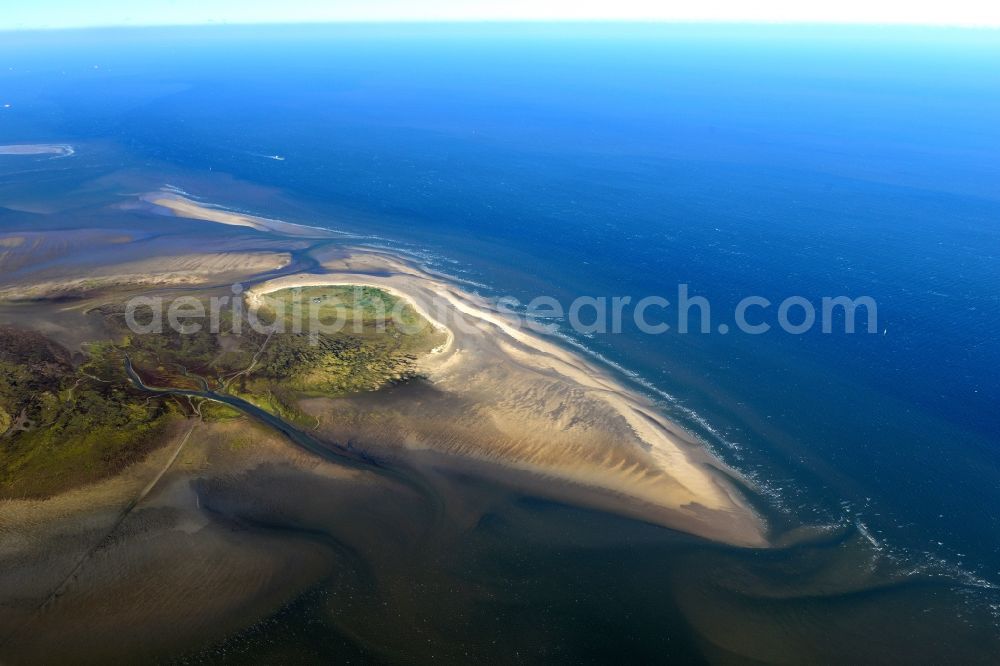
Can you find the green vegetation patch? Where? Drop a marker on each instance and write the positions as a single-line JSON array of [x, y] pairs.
[[64, 422], [66, 425], [276, 356]]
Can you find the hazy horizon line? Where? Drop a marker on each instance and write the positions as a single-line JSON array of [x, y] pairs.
[[515, 22]]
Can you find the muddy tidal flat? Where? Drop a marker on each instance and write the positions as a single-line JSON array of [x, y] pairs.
[[149, 474], [431, 480]]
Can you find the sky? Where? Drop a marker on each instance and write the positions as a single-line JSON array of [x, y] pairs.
[[34, 14]]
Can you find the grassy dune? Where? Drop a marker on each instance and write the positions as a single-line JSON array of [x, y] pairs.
[[285, 356]]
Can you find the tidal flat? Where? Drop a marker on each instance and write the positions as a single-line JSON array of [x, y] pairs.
[[437, 484]]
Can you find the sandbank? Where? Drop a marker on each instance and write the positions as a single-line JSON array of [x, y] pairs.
[[554, 413]]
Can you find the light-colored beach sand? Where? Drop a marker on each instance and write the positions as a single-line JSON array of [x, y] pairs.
[[541, 409], [57, 149]]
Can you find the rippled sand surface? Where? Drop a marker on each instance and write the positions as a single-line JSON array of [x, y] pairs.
[[538, 510]]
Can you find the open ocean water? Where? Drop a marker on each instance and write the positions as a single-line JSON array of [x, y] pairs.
[[623, 161]]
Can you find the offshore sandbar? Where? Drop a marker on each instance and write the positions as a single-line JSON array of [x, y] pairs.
[[185, 207]]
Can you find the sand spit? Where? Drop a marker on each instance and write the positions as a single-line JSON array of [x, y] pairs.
[[56, 149], [180, 270], [182, 206], [539, 408]]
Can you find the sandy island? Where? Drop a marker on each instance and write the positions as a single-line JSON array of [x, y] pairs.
[[503, 414], [507, 397], [548, 411]]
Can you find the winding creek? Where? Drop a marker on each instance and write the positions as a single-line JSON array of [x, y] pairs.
[[335, 453]]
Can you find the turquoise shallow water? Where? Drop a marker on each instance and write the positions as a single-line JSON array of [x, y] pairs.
[[622, 161]]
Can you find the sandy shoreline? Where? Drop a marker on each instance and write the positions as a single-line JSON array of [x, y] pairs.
[[479, 336]]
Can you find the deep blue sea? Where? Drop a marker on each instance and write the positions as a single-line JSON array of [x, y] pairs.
[[622, 161]]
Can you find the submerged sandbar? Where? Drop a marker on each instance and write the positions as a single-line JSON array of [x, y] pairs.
[[57, 149]]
